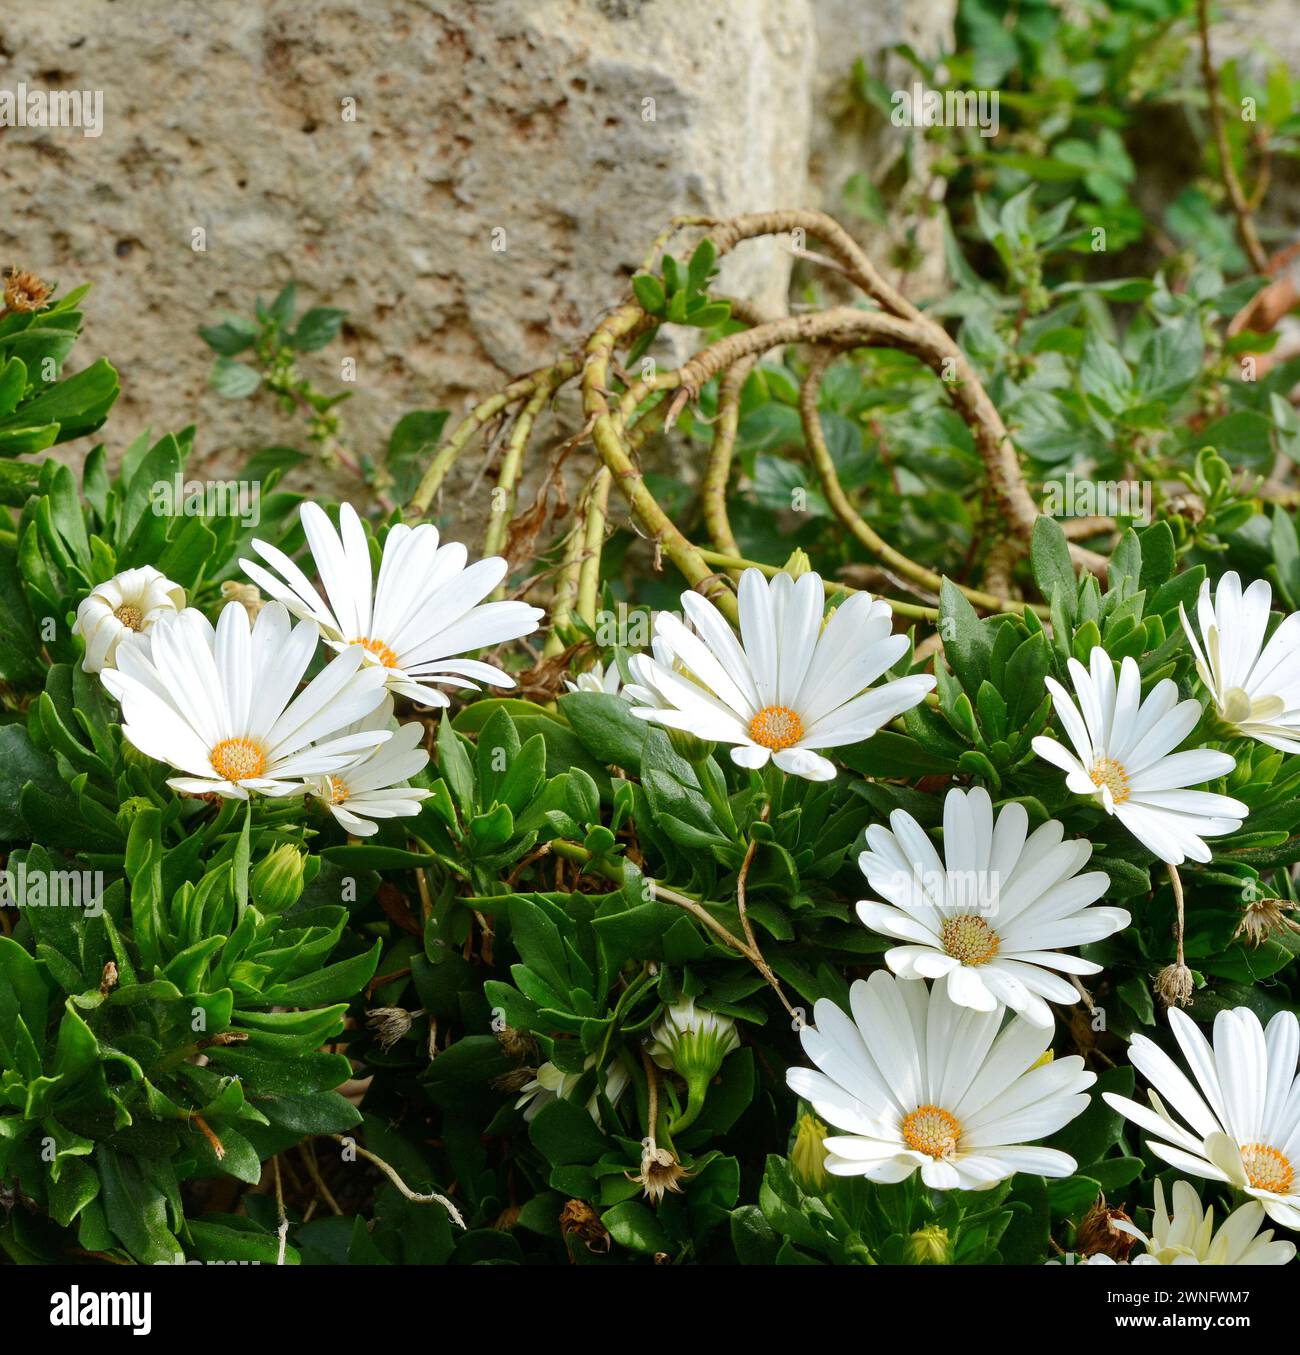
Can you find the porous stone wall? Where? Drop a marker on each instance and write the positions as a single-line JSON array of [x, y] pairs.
[[472, 180]]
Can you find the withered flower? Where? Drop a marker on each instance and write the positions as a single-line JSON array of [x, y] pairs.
[[25, 291], [1097, 1232], [660, 1173], [578, 1219]]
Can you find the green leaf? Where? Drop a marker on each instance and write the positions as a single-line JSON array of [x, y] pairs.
[[234, 380], [1049, 556], [564, 1133], [318, 327], [136, 1209], [233, 335], [22, 764], [649, 293], [1171, 360], [334, 983], [632, 1225], [967, 644]]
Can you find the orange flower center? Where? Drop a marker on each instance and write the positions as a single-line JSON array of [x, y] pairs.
[[1111, 774], [969, 938], [238, 759], [131, 617], [338, 790], [776, 727], [932, 1131], [1266, 1168], [379, 649]]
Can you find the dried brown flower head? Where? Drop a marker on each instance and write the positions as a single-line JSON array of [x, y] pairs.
[[390, 1024], [1097, 1232], [514, 1080], [1261, 918], [1175, 985], [578, 1219], [516, 1044], [25, 291]]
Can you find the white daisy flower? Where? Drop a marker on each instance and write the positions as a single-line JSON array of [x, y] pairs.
[[220, 705], [992, 914], [1188, 1238], [1255, 686], [117, 612], [598, 679], [377, 786], [1241, 1115], [917, 1081], [1123, 757], [552, 1084], [425, 609], [788, 685]]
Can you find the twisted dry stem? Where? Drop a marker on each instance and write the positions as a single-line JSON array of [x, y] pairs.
[[403, 1189], [848, 515], [620, 413], [1241, 207]]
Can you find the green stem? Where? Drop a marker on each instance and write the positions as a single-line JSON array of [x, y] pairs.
[[696, 1091]]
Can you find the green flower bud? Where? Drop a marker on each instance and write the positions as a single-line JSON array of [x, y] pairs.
[[688, 746], [929, 1247], [797, 565], [277, 879], [693, 1044], [129, 808], [808, 1156]]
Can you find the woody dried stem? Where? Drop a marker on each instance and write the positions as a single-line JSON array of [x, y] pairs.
[[848, 515], [403, 1189], [1241, 208], [618, 424], [1177, 885]]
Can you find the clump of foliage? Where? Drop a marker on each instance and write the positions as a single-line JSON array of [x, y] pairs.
[[550, 1015]]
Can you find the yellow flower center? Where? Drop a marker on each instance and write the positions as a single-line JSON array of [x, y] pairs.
[[379, 649], [776, 727], [969, 938], [933, 1131], [1266, 1168], [338, 790], [131, 617], [238, 759], [1112, 775]]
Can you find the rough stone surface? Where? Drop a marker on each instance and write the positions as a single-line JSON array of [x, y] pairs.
[[848, 138], [568, 131]]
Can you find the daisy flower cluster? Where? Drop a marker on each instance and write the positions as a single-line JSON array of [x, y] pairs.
[[941, 1066], [949, 1077], [225, 705]]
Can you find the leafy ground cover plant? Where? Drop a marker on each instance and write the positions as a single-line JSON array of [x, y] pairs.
[[877, 850]]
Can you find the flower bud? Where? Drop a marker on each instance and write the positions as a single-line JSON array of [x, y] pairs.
[[277, 879], [797, 565], [130, 807], [693, 1042], [929, 1246], [687, 745], [808, 1156]]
